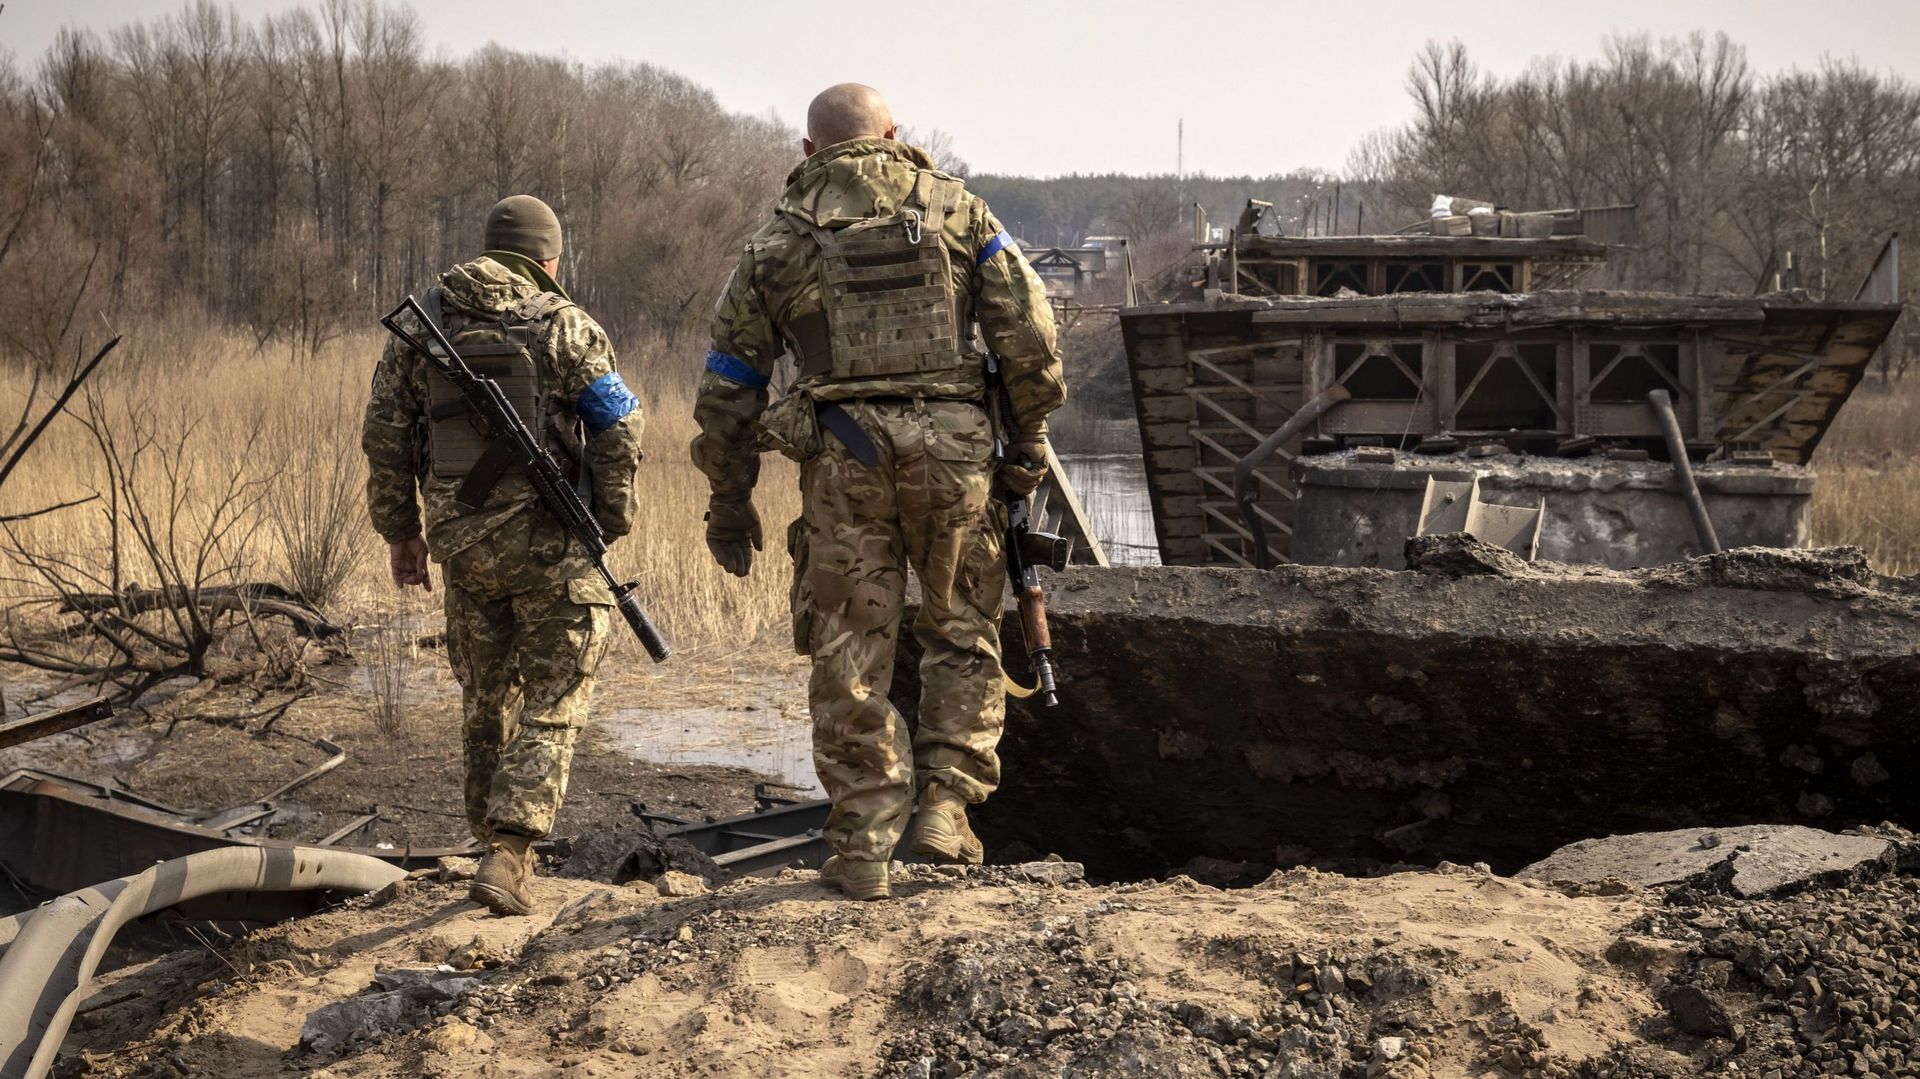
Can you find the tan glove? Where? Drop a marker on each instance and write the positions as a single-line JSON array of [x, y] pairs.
[[733, 534], [1025, 464]]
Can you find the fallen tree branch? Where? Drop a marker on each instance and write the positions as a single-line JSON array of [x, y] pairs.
[[266, 599], [239, 720]]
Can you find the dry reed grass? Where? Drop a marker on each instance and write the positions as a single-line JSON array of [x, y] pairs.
[[187, 372], [1868, 493]]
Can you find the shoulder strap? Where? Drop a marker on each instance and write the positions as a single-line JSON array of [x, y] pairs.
[[937, 196], [543, 306], [431, 305]]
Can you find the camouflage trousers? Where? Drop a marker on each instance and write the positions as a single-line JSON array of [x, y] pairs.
[[926, 505], [527, 625]]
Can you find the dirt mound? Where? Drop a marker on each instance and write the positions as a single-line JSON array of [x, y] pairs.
[[987, 972], [984, 972]]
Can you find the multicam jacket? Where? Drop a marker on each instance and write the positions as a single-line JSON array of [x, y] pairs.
[[582, 385], [775, 293]]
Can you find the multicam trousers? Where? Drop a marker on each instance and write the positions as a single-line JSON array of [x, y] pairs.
[[925, 504], [527, 625]]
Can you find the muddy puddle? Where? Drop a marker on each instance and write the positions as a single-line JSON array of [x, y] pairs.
[[775, 741]]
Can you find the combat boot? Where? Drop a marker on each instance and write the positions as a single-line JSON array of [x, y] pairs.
[[859, 880], [941, 833], [501, 882]]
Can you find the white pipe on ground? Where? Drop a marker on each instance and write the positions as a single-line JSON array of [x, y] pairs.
[[47, 970]]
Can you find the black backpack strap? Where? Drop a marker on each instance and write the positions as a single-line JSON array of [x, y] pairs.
[[431, 305]]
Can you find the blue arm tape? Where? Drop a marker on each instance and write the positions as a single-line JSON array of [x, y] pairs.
[[604, 402], [735, 369], [994, 246]]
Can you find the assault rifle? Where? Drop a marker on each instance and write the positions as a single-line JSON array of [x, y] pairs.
[[409, 322], [1027, 550]]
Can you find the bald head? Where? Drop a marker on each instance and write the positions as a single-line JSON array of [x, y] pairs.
[[847, 111]]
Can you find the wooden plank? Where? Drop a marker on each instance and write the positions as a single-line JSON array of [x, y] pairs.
[[1166, 435], [1157, 409], [1074, 521], [1170, 379], [57, 721]]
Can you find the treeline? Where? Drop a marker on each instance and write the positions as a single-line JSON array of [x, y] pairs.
[[293, 174], [1732, 170], [1063, 211]]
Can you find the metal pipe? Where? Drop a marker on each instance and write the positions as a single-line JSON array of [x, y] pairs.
[[47, 970], [1243, 497], [1683, 470]]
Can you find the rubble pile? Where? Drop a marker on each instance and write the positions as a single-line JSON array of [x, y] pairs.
[[1046, 1002], [1045, 1006], [1823, 982]]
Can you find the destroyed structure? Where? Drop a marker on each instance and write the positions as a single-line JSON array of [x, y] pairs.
[[1413, 365], [1462, 403]]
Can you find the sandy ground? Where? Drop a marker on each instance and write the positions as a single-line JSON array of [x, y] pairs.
[[1441, 973]]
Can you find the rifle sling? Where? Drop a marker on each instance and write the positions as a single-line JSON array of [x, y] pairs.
[[848, 430]]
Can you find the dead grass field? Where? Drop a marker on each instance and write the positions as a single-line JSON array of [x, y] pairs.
[[292, 426], [1868, 493]]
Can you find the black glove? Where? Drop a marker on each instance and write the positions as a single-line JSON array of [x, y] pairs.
[[733, 534]]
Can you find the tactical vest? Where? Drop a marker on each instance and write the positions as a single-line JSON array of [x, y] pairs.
[[459, 446], [886, 288]]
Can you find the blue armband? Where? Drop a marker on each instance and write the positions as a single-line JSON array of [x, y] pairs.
[[994, 246], [604, 403], [735, 369]]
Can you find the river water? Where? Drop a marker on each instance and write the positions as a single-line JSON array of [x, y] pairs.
[[1113, 488]]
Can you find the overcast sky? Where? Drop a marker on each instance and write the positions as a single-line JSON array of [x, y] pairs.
[[1044, 87]]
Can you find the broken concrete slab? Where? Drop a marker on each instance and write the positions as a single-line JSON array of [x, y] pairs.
[[1482, 717], [403, 1000], [1749, 861], [1051, 872]]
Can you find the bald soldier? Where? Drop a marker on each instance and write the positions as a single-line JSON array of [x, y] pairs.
[[872, 276]]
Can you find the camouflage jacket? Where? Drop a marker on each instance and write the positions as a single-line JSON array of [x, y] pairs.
[[577, 365], [776, 283]]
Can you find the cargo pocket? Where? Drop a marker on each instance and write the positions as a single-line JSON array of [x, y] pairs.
[[800, 593], [959, 433], [983, 572], [592, 594]]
